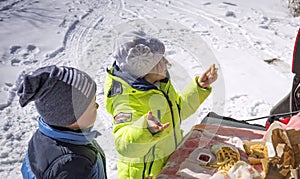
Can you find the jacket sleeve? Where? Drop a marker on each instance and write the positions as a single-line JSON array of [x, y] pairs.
[[191, 97], [68, 167], [132, 138]]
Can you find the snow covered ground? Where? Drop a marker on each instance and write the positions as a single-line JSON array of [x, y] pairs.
[[250, 41]]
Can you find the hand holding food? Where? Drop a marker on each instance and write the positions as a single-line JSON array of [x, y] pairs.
[[208, 77]]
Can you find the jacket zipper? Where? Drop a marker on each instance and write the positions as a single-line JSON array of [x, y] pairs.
[[179, 111], [174, 133], [172, 115], [145, 162], [151, 164]]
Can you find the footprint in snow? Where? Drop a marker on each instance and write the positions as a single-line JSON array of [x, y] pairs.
[[19, 55]]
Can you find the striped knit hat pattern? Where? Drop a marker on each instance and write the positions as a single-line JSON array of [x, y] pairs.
[[61, 94]]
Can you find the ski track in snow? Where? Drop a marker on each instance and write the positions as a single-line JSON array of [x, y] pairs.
[[236, 29], [89, 30]]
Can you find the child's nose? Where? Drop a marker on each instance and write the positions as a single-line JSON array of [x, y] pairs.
[[97, 105]]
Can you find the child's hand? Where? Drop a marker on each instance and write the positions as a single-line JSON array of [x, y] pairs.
[[208, 77], [154, 125]]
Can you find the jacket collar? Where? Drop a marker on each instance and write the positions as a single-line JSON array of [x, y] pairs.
[[137, 83], [67, 136]]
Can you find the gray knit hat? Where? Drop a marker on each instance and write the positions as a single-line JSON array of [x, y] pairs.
[[139, 54], [61, 94]]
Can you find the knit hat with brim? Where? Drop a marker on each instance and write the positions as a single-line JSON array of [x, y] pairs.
[[139, 55], [61, 94]]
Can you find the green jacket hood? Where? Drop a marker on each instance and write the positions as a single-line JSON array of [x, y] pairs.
[[134, 82]]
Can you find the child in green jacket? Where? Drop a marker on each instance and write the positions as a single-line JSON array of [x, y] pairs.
[[146, 109]]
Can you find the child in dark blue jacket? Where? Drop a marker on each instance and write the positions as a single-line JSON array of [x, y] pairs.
[[64, 145]]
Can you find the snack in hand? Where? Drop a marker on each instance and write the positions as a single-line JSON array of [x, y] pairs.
[[212, 69]]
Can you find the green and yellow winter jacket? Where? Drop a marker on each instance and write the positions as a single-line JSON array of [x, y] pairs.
[[128, 100]]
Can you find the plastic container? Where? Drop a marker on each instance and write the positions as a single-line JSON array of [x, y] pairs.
[[204, 158]]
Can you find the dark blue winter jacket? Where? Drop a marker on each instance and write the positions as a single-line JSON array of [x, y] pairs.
[[53, 153]]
